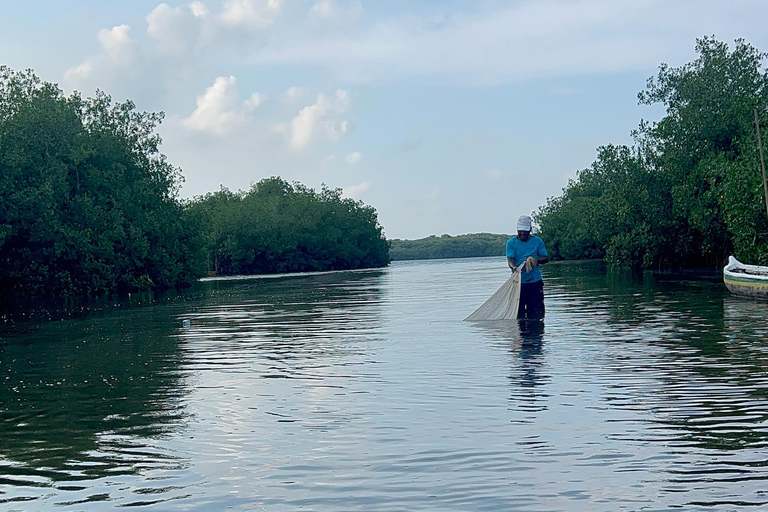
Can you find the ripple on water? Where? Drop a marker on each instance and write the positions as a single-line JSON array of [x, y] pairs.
[[366, 391]]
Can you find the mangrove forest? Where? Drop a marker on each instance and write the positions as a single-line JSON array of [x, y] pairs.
[[472, 245], [89, 205], [689, 192]]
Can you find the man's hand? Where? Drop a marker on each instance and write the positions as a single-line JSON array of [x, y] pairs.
[[530, 262]]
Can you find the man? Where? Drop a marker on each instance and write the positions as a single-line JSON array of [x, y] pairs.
[[528, 249]]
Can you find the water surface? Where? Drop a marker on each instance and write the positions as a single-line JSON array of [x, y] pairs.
[[366, 391]]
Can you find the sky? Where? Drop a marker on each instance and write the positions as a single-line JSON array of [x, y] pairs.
[[448, 117]]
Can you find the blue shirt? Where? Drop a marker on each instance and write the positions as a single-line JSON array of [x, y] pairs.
[[519, 251]]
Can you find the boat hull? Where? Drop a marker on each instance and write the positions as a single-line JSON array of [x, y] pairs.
[[746, 280]]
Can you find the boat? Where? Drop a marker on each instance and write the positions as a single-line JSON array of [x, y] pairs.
[[745, 280], [749, 280]]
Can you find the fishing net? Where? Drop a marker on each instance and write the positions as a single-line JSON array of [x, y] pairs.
[[503, 304]]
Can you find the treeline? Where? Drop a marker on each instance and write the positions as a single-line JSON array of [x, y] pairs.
[[689, 192], [447, 246], [282, 227], [89, 205]]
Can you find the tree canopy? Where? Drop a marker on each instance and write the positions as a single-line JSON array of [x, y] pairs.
[[87, 202], [89, 205], [286, 227], [689, 192]]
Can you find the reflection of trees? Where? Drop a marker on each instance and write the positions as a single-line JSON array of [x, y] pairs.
[[76, 394], [525, 342], [286, 319], [703, 351], [87, 398]]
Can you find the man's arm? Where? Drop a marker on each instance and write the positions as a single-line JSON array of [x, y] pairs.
[[511, 263], [542, 259]]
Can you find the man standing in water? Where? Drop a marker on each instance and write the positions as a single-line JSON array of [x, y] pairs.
[[528, 249]]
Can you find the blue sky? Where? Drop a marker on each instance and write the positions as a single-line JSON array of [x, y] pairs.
[[446, 116]]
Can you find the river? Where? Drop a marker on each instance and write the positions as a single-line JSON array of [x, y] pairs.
[[366, 391]]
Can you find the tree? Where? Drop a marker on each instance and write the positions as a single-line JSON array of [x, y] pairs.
[[689, 193], [286, 227], [87, 202]]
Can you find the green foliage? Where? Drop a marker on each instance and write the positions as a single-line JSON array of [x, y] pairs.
[[446, 246], [89, 205], [87, 202], [282, 227], [690, 192]]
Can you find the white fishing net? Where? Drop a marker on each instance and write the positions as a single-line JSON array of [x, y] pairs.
[[503, 304]]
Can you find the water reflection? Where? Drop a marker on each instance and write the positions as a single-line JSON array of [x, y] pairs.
[[525, 342], [291, 322], [691, 356], [78, 397], [365, 390]]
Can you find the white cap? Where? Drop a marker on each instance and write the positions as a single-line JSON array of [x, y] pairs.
[[524, 223]]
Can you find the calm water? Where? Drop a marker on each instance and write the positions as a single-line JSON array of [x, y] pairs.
[[366, 391]]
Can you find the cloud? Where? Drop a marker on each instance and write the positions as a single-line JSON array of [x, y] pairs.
[[118, 53], [328, 160], [79, 72], [292, 94], [354, 158], [356, 191], [316, 118], [510, 41], [254, 102], [259, 14], [219, 109], [198, 9], [305, 122], [342, 101], [335, 130], [117, 43], [177, 29]]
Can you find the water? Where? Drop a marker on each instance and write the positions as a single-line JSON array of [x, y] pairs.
[[366, 391]]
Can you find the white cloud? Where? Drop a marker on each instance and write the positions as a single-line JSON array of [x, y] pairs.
[[255, 101], [176, 29], [514, 41], [219, 109], [354, 158], [78, 73], [120, 54], [306, 124], [117, 43], [335, 130], [328, 160], [342, 101], [356, 191], [198, 9], [292, 94], [251, 13]]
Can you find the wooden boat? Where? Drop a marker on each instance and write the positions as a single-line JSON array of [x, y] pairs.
[[746, 280]]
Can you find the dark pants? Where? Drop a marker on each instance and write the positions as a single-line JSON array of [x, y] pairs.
[[531, 301]]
